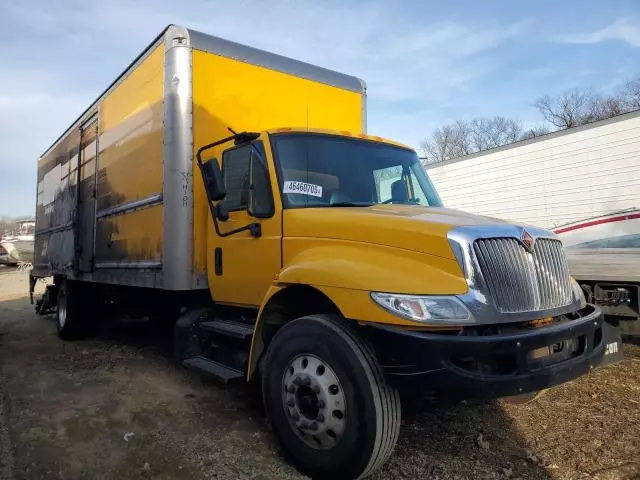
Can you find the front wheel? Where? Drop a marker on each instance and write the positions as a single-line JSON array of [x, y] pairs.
[[327, 399]]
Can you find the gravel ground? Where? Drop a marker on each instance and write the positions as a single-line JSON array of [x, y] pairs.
[[116, 407]]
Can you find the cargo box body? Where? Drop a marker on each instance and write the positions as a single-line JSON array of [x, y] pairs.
[[119, 200]]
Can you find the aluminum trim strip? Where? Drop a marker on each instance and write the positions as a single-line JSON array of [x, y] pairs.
[[55, 229], [178, 161], [364, 107], [150, 201]]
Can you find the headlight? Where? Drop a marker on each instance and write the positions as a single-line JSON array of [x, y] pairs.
[[578, 293], [424, 308]]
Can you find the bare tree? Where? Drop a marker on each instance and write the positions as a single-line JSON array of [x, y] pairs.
[[630, 94], [479, 133], [494, 132], [579, 106], [447, 142], [607, 107], [534, 132], [463, 138], [567, 110]]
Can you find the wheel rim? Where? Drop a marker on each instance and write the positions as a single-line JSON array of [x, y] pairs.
[[62, 308], [314, 401]]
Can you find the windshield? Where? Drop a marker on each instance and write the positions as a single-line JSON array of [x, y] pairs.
[[317, 170]]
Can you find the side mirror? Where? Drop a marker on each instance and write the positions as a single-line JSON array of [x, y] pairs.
[[260, 204], [213, 181], [221, 211]]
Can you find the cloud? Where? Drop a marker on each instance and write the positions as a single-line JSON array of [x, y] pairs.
[[624, 29], [58, 56]]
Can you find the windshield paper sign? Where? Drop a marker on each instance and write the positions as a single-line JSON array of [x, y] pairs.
[[302, 188]]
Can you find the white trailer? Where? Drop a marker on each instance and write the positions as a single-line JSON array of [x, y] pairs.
[[583, 182]]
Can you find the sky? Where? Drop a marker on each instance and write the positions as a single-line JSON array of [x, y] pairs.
[[426, 63]]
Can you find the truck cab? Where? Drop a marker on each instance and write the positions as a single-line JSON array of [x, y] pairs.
[[361, 284]]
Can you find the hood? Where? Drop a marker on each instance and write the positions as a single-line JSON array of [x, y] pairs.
[[410, 227]]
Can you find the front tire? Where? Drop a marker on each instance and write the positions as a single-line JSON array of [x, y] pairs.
[[327, 399]]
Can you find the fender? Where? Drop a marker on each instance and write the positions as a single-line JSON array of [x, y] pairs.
[[370, 267], [346, 272]]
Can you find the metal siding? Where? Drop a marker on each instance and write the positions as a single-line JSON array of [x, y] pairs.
[[231, 93], [605, 264], [131, 133], [565, 178], [125, 239], [130, 164], [129, 170], [56, 206]]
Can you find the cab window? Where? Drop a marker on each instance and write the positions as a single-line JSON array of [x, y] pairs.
[[235, 171]]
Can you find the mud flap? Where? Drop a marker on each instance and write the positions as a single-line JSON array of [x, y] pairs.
[[613, 340]]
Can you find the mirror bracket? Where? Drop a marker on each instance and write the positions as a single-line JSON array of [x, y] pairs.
[[221, 212], [211, 176]]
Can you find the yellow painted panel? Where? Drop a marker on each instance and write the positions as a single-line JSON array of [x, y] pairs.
[[135, 236], [369, 267], [131, 138], [409, 227], [229, 93]]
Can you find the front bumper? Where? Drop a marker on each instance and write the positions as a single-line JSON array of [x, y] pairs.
[[485, 363]]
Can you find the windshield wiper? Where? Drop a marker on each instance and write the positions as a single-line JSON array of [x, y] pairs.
[[351, 204]]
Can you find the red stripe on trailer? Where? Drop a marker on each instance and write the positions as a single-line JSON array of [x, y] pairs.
[[598, 222]]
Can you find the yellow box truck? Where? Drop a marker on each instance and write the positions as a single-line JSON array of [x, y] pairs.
[[236, 194]]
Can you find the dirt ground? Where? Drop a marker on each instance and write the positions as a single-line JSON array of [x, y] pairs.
[[117, 407]]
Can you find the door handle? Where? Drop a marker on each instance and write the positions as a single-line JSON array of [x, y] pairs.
[[218, 261]]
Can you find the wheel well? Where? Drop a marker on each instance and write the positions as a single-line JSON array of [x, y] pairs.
[[288, 304]]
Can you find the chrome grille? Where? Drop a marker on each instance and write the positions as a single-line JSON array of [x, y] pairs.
[[520, 281]]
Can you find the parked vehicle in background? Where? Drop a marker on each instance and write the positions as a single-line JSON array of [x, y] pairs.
[[584, 183], [604, 256], [18, 244], [19, 248], [5, 258], [236, 194]]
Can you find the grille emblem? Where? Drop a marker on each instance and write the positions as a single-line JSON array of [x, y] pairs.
[[527, 241]]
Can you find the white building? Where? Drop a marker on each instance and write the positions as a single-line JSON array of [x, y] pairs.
[[555, 179]]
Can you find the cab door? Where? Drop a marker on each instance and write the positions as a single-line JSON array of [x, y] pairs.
[[242, 266]]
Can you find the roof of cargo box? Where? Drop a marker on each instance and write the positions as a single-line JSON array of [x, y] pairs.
[[226, 48], [272, 61]]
